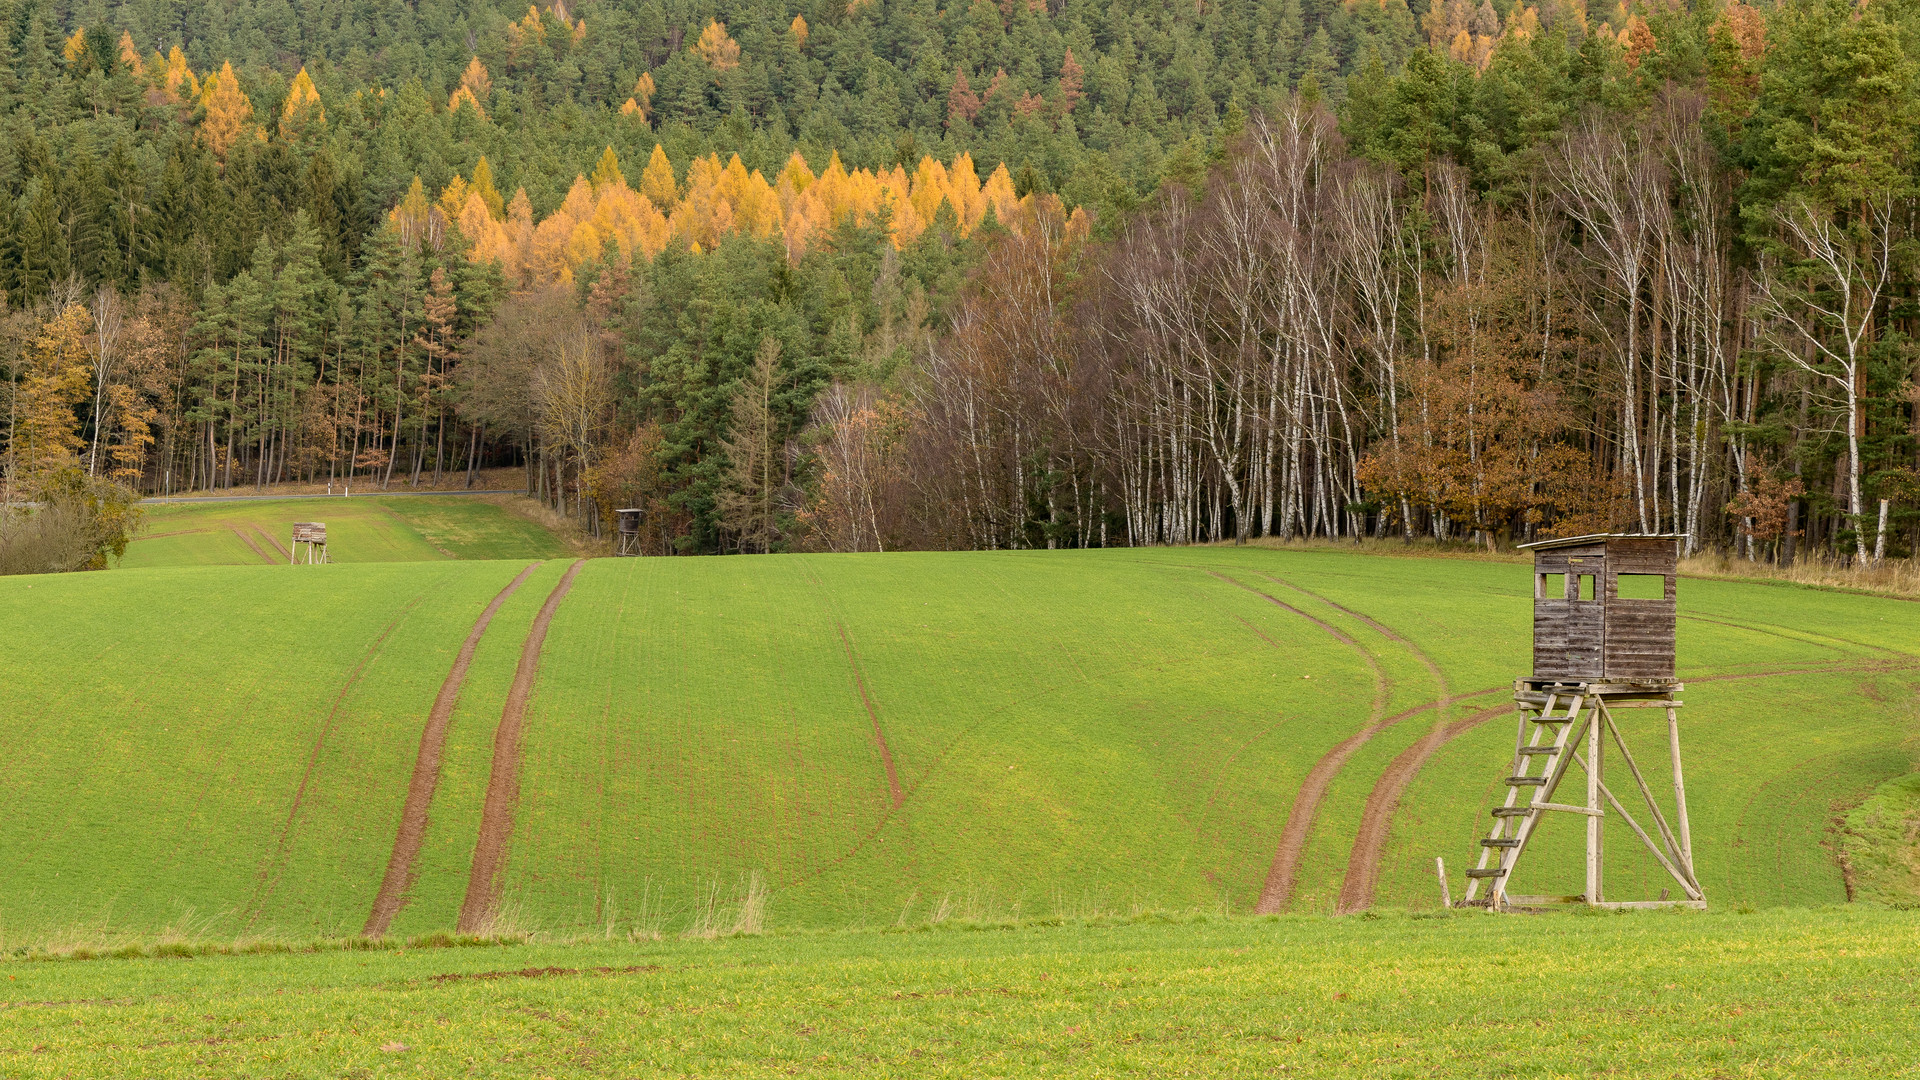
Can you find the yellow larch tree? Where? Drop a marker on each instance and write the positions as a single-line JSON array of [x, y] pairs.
[[130, 56], [179, 82], [656, 181], [721, 52], [59, 374], [453, 198], [76, 45], [607, 170], [482, 185], [641, 103], [228, 112], [303, 116], [476, 81], [798, 28]]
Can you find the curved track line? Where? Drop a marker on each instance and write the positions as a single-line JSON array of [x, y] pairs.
[[1392, 783], [1363, 863], [269, 878], [1385, 631], [1277, 892], [426, 774], [503, 783], [873, 715]]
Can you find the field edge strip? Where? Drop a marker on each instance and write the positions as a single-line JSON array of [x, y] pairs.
[[503, 783], [392, 896]]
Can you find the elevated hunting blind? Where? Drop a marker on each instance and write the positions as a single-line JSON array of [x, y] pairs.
[[627, 531], [1603, 607], [1603, 639], [313, 534]]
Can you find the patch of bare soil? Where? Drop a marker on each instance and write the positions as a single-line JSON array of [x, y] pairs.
[[541, 973], [426, 773], [503, 784]]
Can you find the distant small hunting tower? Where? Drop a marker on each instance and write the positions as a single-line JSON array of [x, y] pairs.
[[627, 531], [312, 534], [1603, 640]]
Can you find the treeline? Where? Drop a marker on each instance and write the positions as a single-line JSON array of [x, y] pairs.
[[1550, 272], [1656, 284]]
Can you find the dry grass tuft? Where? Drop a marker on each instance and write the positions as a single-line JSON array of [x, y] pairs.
[[1893, 577]]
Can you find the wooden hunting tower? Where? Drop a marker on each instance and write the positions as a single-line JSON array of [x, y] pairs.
[[314, 535], [627, 531], [1603, 639]]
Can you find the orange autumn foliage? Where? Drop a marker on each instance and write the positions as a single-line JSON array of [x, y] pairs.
[[605, 218]]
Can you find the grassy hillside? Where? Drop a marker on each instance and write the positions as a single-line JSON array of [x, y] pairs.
[[875, 738], [1787, 994], [251, 532]]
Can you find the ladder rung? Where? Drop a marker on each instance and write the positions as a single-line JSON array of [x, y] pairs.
[[1548, 749], [1511, 811], [1509, 842], [1526, 781], [1551, 719], [1491, 871]]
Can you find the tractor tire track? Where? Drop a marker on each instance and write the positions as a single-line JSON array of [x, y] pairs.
[[269, 877], [873, 715], [503, 783], [392, 896], [274, 541], [1385, 631], [248, 540], [1277, 891], [1363, 863]]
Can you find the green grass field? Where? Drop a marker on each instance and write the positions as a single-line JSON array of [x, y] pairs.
[[874, 739], [1783, 993], [252, 532]]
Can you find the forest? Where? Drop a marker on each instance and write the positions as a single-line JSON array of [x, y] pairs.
[[1033, 273]]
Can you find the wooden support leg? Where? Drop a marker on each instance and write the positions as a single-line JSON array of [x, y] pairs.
[[1680, 794], [1594, 820]]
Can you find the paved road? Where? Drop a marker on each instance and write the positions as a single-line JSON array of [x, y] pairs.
[[364, 494]]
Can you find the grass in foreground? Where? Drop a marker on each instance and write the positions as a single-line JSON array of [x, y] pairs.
[[1783, 993]]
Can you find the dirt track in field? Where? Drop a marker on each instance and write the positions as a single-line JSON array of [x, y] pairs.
[[503, 783], [1277, 892], [285, 555], [269, 878], [426, 774], [248, 540], [873, 715], [1363, 863]]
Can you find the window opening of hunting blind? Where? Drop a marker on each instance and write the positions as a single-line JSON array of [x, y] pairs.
[[1586, 588], [1549, 586], [1640, 586]]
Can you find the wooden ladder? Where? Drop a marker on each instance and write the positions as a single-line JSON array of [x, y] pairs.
[[1552, 739]]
